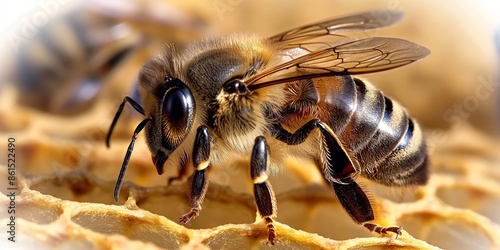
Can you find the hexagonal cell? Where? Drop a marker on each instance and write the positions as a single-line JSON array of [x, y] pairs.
[[474, 198], [39, 212], [446, 233], [233, 239], [316, 209], [146, 228], [254, 236], [75, 186], [173, 202], [66, 235]]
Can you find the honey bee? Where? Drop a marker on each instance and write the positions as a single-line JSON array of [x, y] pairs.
[[290, 95], [62, 67]]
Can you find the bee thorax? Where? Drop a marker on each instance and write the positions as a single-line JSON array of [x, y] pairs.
[[238, 120]]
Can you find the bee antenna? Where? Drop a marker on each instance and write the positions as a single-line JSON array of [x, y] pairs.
[[134, 104], [126, 160]]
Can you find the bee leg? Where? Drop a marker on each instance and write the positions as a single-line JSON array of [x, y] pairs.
[[339, 171], [382, 230], [357, 205], [298, 136], [264, 195], [198, 181]]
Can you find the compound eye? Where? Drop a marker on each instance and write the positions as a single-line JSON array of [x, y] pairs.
[[176, 107], [177, 111]]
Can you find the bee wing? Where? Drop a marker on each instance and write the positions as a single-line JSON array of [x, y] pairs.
[[358, 22], [362, 56]]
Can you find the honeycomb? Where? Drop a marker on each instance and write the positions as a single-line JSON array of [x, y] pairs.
[[65, 178]]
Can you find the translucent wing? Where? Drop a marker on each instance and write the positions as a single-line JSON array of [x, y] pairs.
[[357, 57], [353, 23]]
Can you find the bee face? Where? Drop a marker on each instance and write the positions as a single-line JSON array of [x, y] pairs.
[[225, 97], [203, 83], [170, 107]]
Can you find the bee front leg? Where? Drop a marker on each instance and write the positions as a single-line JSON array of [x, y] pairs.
[[198, 181], [263, 192]]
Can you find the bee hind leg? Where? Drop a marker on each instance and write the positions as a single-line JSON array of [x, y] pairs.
[[198, 181], [357, 205], [338, 169], [263, 192]]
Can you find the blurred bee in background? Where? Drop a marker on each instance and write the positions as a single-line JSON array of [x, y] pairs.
[[62, 69], [291, 95]]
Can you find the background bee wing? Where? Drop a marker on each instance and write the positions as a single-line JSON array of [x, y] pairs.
[[358, 22], [357, 57]]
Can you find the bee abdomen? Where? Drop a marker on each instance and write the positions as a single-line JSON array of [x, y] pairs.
[[396, 153], [390, 131], [387, 143], [405, 165], [369, 112]]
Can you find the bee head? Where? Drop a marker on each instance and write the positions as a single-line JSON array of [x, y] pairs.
[[171, 107]]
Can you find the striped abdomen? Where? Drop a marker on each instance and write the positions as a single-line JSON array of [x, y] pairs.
[[387, 143]]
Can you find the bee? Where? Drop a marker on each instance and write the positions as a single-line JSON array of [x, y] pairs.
[[63, 68], [290, 95]]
